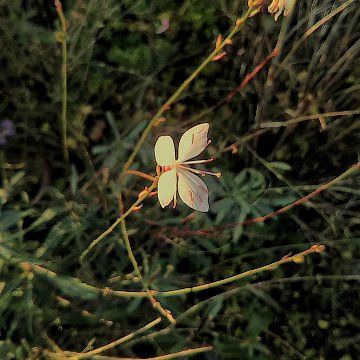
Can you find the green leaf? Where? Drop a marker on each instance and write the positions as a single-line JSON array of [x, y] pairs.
[[9, 218], [279, 165], [214, 307], [74, 179], [110, 119]]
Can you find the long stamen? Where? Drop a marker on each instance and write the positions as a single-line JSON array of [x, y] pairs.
[[197, 161], [201, 172]]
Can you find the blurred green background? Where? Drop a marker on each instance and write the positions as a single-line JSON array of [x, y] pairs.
[[123, 63]]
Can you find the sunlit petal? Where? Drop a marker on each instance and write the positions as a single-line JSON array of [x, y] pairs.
[[165, 151], [193, 142], [167, 187], [193, 191]]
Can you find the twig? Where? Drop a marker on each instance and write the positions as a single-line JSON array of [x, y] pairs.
[[117, 222], [213, 230], [235, 91], [142, 294], [63, 41], [117, 342], [314, 28], [156, 304], [141, 174], [129, 250], [228, 293], [271, 215], [246, 138], [276, 124], [269, 267], [188, 352], [297, 202], [179, 354]]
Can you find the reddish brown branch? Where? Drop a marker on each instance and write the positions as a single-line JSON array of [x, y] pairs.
[[236, 90], [249, 76], [213, 230], [290, 206]]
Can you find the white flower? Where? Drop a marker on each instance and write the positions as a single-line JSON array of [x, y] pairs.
[[278, 7], [178, 174]]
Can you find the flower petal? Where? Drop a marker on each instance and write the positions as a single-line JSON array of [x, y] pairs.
[[165, 151], [167, 187], [193, 142], [193, 191]]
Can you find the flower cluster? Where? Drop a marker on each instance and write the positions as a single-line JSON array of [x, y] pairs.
[[276, 7]]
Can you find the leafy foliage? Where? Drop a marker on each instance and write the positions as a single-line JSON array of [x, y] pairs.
[[120, 72]]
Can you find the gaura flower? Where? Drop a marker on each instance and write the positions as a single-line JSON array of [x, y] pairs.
[[278, 7], [178, 175]]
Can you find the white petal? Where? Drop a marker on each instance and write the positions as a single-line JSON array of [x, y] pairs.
[[193, 142], [167, 187], [165, 151], [193, 191]]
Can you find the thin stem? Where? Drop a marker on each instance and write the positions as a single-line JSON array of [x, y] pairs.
[[273, 214], [245, 139], [263, 284], [64, 79], [183, 86], [129, 250], [188, 352], [117, 342], [200, 172], [156, 304], [142, 294], [191, 162], [236, 90], [316, 26], [58, 281], [141, 174], [179, 354], [317, 191], [269, 267], [117, 222], [276, 124]]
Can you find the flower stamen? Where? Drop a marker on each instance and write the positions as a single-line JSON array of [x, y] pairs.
[[197, 161], [200, 172]]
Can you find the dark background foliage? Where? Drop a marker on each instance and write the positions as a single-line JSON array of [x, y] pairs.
[[120, 72]]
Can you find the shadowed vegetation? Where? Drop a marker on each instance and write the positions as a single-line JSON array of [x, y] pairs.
[[292, 126]]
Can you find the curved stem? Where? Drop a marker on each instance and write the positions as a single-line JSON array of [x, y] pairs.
[[117, 342], [273, 214], [295, 258], [275, 124], [142, 294], [129, 250], [176, 355], [180, 354], [156, 304], [141, 174], [236, 90]]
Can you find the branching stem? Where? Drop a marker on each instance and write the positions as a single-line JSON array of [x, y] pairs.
[[239, 23]]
